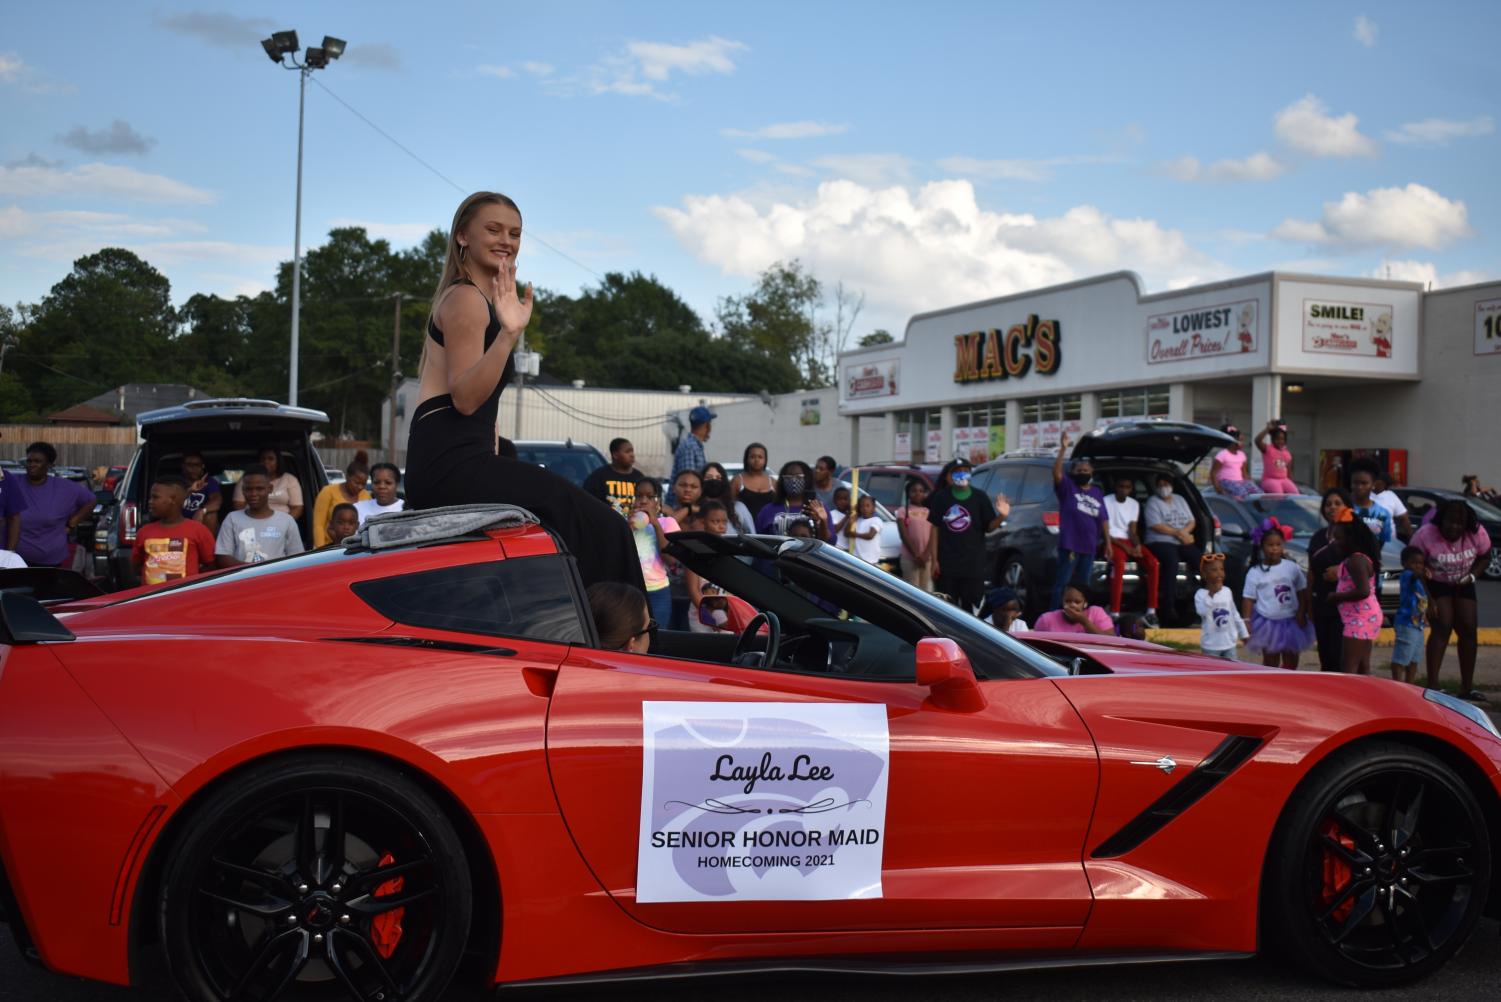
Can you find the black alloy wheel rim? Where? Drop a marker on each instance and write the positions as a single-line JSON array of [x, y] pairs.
[[1015, 578], [303, 892], [1493, 569], [1391, 870]]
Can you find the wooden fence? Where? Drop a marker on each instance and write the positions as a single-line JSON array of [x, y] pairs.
[[87, 446]]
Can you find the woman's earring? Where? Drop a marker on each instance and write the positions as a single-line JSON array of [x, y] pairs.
[[462, 249]]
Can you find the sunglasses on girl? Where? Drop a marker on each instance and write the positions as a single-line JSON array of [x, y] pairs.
[[651, 627]]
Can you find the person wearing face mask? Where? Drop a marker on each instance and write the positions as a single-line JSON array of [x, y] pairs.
[[960, 516], [794, 499], [718, 487], [1170, 537], [1083, 523]]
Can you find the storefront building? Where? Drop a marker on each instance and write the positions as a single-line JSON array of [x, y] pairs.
[[1353, 366]]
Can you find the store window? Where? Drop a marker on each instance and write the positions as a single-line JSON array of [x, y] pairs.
[[1044, 419], [914, 433], [980, 431], [1145, 401]]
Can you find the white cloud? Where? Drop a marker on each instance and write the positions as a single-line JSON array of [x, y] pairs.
[[1306, 126], [487, 70], [100, 227], [795, 170], [757, 156], [1413, 216], [96, 180], [537, 69], [872, 169], [1438, 131], [789, 130], [224, 30], [1365, 31], [916, 249], [1259, 166], [400, 234], [641, 69], [11, 66], [1427, 273], [657, 60], [1019, 170]]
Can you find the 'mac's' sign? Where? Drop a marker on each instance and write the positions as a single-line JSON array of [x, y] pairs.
[[995, 355]]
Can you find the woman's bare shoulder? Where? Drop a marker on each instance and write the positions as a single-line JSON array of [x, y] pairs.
[[462, 303]]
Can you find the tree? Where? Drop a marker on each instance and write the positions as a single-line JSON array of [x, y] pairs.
[[779, 318], [875, 337], [110, 321]]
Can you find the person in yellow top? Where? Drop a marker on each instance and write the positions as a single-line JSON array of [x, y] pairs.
[[356, 474]]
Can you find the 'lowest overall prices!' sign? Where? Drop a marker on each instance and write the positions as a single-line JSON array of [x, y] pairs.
[[762, 801]]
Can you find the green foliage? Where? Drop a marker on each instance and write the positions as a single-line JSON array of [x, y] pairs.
[[777, 319], [876, 337]]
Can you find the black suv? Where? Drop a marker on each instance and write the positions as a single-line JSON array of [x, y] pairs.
[[1024, 550], [230, 434]]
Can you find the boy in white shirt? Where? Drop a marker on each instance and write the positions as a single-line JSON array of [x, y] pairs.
[[1221, 629], [1125, 544], [864, 529]]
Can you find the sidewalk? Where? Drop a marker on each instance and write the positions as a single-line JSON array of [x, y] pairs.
[[1487, 659]]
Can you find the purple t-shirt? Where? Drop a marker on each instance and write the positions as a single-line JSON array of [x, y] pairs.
[[12, 500], [44, 523], [1081, 516]]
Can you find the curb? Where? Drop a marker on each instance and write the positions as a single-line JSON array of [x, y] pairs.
[[1486, 636]]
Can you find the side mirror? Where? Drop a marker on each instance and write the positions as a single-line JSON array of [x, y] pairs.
[[944, 668], [1234, 529]]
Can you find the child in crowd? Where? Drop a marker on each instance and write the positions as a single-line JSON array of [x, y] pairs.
[[710, 608], [913, 528], [384, 479], [1412, 613], [256, 532], [1276, 460], [170, 547], [343, 522], [1220, 627], [1124, 512], [1355, 594], [1228, 472], [1076, 616], [1276, 600], [841, 513], [688, 491], [864, 529], [1003, 607], [649, 528]]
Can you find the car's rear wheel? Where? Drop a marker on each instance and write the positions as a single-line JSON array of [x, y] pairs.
[[1014, 575], [1493, 569], [324, 878], [1379, 869]]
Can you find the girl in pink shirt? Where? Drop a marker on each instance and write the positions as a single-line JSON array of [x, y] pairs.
[[1276, 460], [1076, 616], [1455, 549], [1229, 471]]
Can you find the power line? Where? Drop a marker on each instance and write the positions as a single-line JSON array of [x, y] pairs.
[[444, 177]]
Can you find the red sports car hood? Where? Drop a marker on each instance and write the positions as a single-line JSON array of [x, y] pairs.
[[1120, 656]]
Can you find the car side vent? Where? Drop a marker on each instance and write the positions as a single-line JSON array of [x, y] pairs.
[[428, 644], [24, 621], [1229, 755]]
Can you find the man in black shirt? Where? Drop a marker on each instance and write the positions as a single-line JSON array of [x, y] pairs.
[[961, 516], [615, 484]]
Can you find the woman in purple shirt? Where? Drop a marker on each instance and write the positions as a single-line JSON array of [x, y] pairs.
[[54, 507]]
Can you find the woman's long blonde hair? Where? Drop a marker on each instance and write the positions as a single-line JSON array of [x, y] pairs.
[[453, 258]]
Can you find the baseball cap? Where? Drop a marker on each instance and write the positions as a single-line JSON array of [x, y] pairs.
[[700, 415]]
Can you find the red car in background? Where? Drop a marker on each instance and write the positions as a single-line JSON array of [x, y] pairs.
[[337, 774]]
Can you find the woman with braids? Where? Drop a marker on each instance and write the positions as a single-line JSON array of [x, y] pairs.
[[1456, 548], [454, 455]]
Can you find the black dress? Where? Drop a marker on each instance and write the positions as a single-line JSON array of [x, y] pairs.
[[451, 459]]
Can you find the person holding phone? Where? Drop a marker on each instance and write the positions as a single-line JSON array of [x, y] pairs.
[[794, 500]]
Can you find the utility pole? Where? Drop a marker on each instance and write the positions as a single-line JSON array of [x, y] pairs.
[[395, 381]]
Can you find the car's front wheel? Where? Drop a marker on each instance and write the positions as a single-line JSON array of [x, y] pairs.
[[1493, 569], [324, 877], [1379, 869], [1013, 575]]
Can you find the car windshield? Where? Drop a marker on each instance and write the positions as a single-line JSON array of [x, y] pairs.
[[1300, 513], [571, 464], [1484, 509]]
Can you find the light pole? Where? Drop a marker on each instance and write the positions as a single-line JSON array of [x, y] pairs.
[[282, 48]]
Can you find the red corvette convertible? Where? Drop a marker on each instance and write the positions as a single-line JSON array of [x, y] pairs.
[[356, 772]]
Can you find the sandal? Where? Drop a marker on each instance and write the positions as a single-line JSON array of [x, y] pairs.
[[1475, 696]]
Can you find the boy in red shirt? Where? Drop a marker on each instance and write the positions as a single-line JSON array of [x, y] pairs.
[[170, 547]]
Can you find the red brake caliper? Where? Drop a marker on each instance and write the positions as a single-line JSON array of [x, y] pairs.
[[1336, 872], [385, 928]]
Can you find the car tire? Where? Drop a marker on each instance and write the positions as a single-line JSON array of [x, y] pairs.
[[1378, 869], [1493, 569], [316, 875]]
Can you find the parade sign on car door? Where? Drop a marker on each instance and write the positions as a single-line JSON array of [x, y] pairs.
[[1347, 328], [762, 801]]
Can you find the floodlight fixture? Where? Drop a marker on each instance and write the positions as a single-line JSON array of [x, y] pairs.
[[286, 41], [333, 46], [272, 49]]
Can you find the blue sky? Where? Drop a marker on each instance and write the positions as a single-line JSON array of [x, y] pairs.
[[924, 156]]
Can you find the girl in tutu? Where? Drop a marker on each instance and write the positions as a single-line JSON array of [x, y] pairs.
[[1275, 600]]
